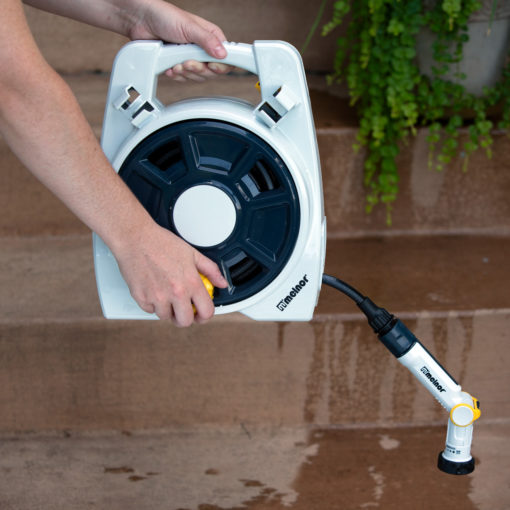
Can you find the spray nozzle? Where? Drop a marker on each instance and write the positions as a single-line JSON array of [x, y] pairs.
[[410, 352]]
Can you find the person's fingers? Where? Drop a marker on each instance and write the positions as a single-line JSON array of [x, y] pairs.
[[147, 307], [185, 71], [183, 314], [218, 68], [196, 71], [174, 76], [163, 310], [202, 300], [176, 307], [198, 68], [195, 304], [204, 306], [207, 35], [210, 270]]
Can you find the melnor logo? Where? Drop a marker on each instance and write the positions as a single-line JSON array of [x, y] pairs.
[[292, 294], [433, 380]]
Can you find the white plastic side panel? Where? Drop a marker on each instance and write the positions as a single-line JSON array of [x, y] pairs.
[[458, 443]]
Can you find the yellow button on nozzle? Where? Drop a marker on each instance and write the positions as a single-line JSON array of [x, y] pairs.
[[464, 414], [476, 408]]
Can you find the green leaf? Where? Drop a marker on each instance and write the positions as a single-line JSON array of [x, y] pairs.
[[376, 59]]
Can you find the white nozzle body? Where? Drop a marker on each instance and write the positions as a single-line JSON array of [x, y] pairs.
[[463, 409], [458, 442]]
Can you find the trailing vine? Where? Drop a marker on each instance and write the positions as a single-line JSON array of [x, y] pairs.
[[377, 59]]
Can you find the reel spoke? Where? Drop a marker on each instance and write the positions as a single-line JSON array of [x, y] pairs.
[[153, 174]]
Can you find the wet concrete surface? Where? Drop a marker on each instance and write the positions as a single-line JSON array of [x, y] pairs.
[[75, 370], [241, 468], [103, 375], [420, 272]]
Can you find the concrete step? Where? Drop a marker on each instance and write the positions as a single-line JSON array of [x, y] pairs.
[[51, 278], [244, 467], [66, 368], [451, 201], [61, 40]]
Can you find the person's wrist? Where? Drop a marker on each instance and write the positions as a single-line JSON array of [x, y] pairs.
[[130, 15], [121, 238]]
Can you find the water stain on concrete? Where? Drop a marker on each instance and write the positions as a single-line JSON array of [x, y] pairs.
[[440, 335], [353, 379], [467, 323], [251, 483], [382, 468], [137, 478], [118, 470], [316, 377], [388, 443]]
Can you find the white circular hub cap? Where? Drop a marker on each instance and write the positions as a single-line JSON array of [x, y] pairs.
[[204, 215]]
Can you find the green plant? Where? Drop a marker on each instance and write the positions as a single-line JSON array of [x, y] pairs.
[[376, 57]]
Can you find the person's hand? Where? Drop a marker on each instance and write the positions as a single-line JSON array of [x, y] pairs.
[[162, 20], [197, 71], [161, 271]]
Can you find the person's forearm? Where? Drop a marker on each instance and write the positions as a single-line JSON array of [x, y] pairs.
[[148, 19], [43, 124], [115, 15]]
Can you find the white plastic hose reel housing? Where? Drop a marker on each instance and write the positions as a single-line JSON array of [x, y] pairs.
[[240, 182]]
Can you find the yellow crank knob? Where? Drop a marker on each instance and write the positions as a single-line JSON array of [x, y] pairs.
[[208, 286]]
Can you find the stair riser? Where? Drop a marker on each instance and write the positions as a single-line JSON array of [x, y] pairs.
[[97, 374], [429, 201], [449, 201]]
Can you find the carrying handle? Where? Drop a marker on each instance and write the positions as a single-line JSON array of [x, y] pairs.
[[238, 55]]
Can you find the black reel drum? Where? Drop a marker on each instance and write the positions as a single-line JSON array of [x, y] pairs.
[[226, 192]]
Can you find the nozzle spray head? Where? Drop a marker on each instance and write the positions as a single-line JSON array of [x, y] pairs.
[[456, 458], [455, 468]]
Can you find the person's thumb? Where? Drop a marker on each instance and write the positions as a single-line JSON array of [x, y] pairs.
[[210, 270], [210, 38]]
